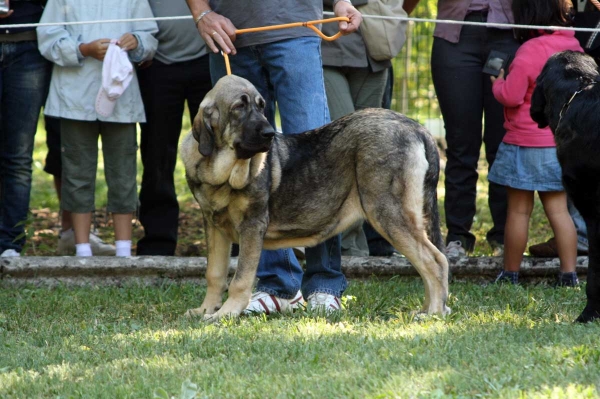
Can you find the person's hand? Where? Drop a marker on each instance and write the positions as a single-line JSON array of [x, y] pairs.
[[500, 76], [345, 9], [215, 29], [128, 42], [7, 14], [96, 49]]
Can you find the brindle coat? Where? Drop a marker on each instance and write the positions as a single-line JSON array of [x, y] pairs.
[[266, 190]]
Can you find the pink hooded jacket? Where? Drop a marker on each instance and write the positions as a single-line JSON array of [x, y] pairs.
[[515, 91]]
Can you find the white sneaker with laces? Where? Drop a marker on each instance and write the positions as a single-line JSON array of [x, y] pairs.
[[263, 302], [66, 244], [455, 249], [321, 301], [10, 253]]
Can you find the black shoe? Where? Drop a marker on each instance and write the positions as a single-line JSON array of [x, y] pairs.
[[549, 249], [566, 280], [507, 277]]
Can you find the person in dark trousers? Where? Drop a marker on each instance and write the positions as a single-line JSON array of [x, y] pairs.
[[24, 80], [465, 96], [179, 73]]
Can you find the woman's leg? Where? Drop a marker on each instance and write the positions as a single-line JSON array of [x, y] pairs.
[[555, 206]]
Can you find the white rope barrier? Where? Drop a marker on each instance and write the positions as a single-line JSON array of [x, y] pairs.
[[408, 19]]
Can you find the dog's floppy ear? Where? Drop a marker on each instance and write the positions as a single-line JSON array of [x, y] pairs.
[[538, 104], [207, 117]]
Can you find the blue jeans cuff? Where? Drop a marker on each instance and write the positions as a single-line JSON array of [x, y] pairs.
[[271, 291], [337, 294]]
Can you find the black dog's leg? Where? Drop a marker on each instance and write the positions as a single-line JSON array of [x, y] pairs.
[[591, 311]]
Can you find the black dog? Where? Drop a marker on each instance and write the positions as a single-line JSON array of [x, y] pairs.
[[567, 98]]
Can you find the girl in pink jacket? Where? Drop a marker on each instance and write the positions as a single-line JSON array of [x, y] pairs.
[[526, 160]]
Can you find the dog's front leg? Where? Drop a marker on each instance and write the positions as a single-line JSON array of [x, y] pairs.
[[240, 288], [219, 249]]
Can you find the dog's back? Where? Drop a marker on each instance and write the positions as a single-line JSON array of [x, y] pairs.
[[371, 156]]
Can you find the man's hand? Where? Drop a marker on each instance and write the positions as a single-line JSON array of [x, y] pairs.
[[345, 9], [96, 49], [6, 15], [128, 42], [215, 29]]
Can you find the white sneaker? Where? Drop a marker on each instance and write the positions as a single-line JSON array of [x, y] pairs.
[[262, 302], [320, 301], [10, 253], [455, 249], [66, 245]]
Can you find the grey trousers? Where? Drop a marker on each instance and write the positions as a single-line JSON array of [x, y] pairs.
[[79, 149]]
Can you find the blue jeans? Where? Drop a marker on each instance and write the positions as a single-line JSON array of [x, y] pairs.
[[24, 79], [290, 73]]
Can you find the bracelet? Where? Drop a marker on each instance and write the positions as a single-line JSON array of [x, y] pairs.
[[337, 1], [197, 20]]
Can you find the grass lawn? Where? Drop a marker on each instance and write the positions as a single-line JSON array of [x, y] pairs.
[[132, 342]]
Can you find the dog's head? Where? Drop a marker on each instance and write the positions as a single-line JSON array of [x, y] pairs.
[[231, 115], [564, 74]]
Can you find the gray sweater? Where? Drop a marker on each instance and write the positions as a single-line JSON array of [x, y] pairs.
[[178, 40]]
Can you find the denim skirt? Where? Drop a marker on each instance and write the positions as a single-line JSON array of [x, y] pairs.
[[527, 168]]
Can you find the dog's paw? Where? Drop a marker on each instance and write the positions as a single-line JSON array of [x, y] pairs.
[[197, 312], [588, 315]]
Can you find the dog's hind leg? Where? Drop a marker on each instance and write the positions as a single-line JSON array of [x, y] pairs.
[[404, 212], [407, 235], [219, 248]]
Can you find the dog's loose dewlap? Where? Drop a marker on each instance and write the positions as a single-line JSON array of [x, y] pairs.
[[263, 189]]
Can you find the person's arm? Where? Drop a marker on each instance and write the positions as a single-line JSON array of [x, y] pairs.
[[511, 91], [56, 44], [214, 28], [141, 42]]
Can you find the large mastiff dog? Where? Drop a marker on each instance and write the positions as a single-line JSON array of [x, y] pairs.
[[567, 98], [266, 190]]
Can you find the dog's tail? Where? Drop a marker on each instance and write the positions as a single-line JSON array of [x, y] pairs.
[[430, 203]]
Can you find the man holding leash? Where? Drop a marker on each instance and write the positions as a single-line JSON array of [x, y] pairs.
[[285, 66]]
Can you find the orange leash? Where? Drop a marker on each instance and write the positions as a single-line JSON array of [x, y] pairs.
[[308, 24]]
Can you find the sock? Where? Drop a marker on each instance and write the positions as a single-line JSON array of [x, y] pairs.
[[123, 247], [83, 249]]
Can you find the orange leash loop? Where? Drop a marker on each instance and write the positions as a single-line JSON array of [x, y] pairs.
[[308, 24]]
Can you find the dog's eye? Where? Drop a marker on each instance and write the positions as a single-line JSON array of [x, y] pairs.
[[261, 104], [238, 106]]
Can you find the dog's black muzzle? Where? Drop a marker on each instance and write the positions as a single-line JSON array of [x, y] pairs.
[[257, 137]]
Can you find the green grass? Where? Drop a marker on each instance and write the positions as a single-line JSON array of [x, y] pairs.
[[132, 342]]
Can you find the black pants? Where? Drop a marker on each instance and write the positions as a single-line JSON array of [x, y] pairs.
[[465, 96], [165, 89]]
